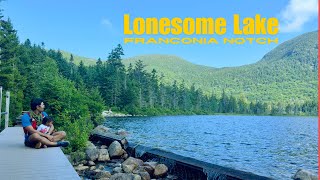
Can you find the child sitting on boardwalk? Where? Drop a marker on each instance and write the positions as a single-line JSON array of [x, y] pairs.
[[47, 125]]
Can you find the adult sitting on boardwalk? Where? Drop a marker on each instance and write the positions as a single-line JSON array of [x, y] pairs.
[[34, 138]]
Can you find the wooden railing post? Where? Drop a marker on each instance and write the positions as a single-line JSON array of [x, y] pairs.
[[7, 109], [0, 104]]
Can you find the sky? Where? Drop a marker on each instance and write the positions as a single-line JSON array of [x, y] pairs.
[[93, 28]]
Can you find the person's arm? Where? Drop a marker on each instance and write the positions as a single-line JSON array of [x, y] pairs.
[[51, 129], [31, 131]]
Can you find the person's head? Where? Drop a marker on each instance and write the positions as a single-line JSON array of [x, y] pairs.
[[37, 104], [48, 121]]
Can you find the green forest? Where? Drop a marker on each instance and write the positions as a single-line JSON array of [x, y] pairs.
[[75, 95]]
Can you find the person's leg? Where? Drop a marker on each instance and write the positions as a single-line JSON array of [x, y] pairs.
[[36, 138], [58, 136]]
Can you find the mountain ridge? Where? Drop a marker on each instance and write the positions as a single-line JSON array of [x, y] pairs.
[[288, 73]]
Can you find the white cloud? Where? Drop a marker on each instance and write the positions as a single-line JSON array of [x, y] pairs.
[[297, 13], [107, 23]]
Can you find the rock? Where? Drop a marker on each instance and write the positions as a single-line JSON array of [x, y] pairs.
[[151, 164], [137, 177], [89, 174], [124, 142], [138, 169], [101, 167], [103, 155], [89, 145], [115, 149], [117, 170], [125, 155], [92, 168], [122, 176], [302, 174], [81, 168], [160, 170], [132, 160], [171, 177], [97, 170], [148, 169], [122, 132], [102, 174], [91, 163], [142, 173], [92, 154], [104, 147], [129, 167], [100, 130], [83, 162]]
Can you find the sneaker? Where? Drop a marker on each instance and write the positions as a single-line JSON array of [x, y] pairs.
[[38, 145], [63, 143]]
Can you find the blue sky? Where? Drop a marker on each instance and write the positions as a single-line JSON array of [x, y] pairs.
[[93, 28]]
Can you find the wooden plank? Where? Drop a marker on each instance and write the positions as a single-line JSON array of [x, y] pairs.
[[20, 162]]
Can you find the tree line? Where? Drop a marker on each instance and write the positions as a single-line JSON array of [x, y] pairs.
[[138, 92]]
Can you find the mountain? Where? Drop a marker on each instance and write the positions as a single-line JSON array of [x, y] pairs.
[[288, 73], [78, 59], [173, 68], [303, 48]]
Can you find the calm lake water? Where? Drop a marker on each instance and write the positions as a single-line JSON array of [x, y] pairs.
[[265, 145]]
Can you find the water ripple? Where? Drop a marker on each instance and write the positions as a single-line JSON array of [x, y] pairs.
[[271, 146]]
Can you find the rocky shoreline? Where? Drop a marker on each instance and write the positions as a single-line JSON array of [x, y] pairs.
[[109, 113], [113, 162]]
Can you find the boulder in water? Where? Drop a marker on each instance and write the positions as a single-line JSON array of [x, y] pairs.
[[302, 174]]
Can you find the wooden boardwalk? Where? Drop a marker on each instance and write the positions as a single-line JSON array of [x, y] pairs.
[[20, 162]]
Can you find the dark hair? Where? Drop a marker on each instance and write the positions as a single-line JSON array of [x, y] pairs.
[[35, 102], [47, 119]]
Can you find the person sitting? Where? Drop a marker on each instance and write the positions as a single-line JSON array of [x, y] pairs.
[[46, 126], [34, 138]]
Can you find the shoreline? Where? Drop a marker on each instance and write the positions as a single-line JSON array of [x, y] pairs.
[[120, 114], [109, 155]]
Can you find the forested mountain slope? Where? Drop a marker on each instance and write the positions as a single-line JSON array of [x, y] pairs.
[[288, 73], [285, 74]]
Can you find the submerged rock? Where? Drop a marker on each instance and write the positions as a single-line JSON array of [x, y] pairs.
[[302, 174], [100, 129]]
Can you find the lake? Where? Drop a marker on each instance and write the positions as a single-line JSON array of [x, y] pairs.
[[270, 146]]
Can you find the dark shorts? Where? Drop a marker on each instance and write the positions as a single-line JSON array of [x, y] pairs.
[[29, 143]]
